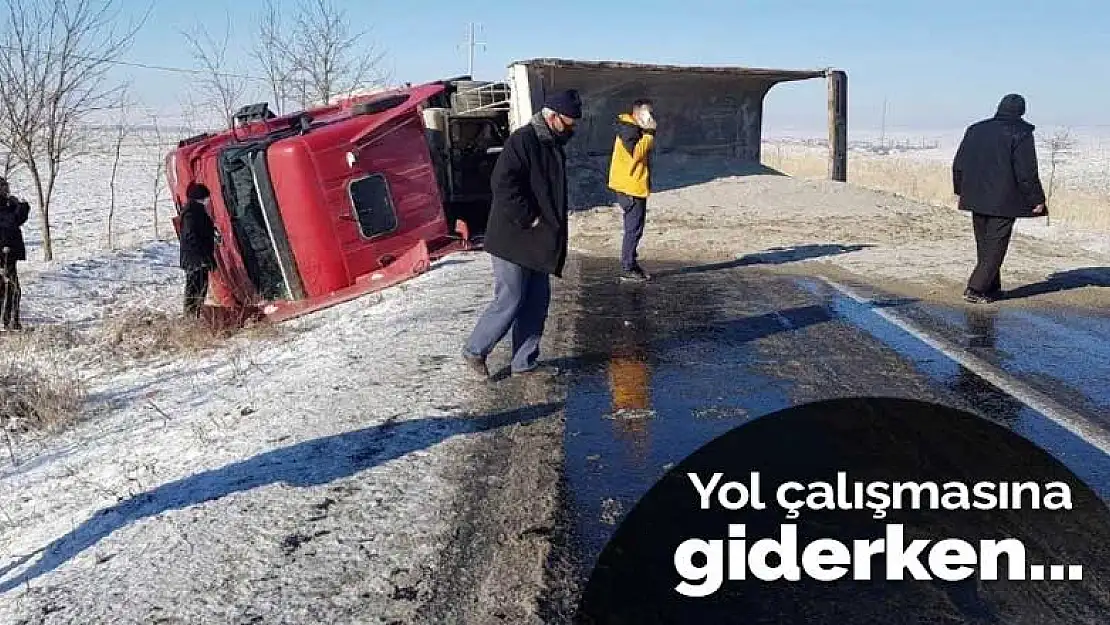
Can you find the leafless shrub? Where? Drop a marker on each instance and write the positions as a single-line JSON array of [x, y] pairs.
[[121, 130], [54, 72], [34, 401], [154, 139], [1059, 144]]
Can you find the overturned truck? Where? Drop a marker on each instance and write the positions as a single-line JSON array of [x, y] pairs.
[[320, 206]]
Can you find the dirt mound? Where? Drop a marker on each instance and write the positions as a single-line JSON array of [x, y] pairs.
[[897, 243]]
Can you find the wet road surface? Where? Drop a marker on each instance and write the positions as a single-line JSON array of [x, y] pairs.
[[669, 365]]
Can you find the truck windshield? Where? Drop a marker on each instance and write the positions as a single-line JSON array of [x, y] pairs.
[[255, 219]]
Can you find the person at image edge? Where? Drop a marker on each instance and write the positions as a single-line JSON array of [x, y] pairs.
[[13, 214]]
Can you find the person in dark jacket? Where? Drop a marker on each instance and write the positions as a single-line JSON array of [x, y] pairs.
[[198, 246], [995, 176], [526, 235], [13, 214]]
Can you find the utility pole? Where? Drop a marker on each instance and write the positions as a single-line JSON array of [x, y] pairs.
[[882, 132], [471, 44]]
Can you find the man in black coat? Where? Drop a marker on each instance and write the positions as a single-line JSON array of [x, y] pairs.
[[995, 175], [13, 214], [526, 235], [198, 246]]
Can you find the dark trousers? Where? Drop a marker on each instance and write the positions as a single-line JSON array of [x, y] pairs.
[[10, 294], [196, 289], [521, 298], [635, 213], [992, 240]]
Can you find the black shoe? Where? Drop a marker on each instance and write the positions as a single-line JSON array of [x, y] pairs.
[[977, 298], [544, 371], [477, 364], [635, 275], [16, 326]]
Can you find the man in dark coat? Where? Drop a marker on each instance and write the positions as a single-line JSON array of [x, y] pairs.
[[526, 235], [198, 246], [13, 214], [995, 175]]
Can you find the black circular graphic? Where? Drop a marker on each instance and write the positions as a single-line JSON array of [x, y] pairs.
[[968, 503]]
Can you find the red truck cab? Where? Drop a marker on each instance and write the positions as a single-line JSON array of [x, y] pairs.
[[324, 205]]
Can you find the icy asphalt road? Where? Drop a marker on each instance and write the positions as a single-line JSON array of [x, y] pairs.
[[664, 367]]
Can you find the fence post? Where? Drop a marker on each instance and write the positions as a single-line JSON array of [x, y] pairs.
[[838, 125]]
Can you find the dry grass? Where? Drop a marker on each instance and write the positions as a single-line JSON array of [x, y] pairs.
[[41, 388], [36, 399], [142, 333], [931, 182]]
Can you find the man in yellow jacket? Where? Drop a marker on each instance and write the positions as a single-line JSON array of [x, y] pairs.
[[630, 178]]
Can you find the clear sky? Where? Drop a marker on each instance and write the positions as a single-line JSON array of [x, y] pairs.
[[940, 64]]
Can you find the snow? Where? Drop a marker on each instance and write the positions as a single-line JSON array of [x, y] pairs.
[[233, 455], [290, 478]]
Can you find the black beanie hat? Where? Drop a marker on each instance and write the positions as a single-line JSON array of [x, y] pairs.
[[1013, 104], [565, 103], [196, 191]]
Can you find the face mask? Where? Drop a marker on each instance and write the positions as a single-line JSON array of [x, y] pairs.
[[562, 134]]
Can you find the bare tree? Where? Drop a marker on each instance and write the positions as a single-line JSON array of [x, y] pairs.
[[9, 163], [325, 59], [121, 130], [190, 112], [1059, 145], [222, 90], [159, 164], [277, 67], [53, 74]]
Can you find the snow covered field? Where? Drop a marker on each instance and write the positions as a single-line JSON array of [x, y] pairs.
[[204, 481], [215, 482]]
